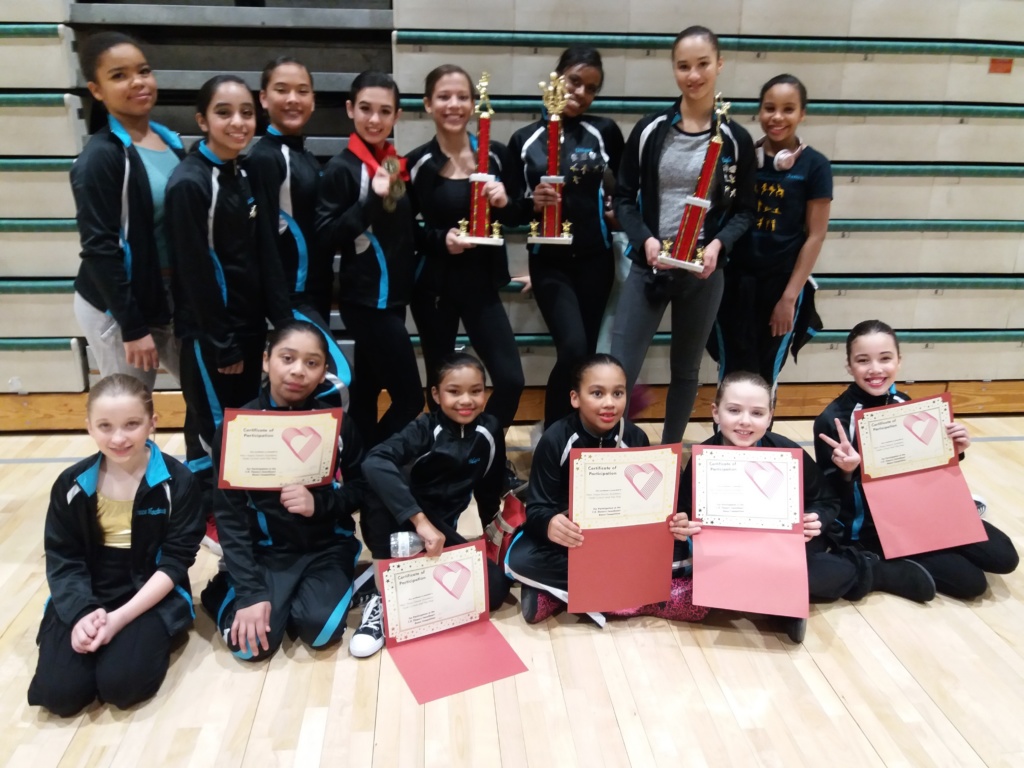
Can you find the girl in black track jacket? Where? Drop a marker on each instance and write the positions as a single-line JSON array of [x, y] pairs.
[[660, 168], [121, 300], [424, 477], [121, 532], [285, 179], [873, 359], [571, 282], [377, 258], [457, 282], [226, 285], [289, 554], [539, 555]]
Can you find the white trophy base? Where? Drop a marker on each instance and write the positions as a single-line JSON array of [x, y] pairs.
[[468, 240], [690, 266], [560, 240]]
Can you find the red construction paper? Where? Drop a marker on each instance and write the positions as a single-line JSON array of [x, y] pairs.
[[620, 568], [751, 570], [923, 511], [456, 660], [453, 660]]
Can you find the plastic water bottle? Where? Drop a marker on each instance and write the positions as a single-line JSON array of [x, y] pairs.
[[406, 544]]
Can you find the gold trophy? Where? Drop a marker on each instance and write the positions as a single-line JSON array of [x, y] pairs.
[[554, 230], [479, 230]]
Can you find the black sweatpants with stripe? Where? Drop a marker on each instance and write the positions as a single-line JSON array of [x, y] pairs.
[[310, 594], [207, 393]]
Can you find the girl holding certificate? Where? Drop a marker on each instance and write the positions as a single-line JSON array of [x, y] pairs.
[[422, 479], [873, 359], [122, 300], [121, 532], [662, 166], [289, 555], [570, 282], [363, 213], [459, 281], [768, 305], [285, 177], [743, 412], [539, 555]]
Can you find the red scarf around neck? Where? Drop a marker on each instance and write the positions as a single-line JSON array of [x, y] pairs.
[[372, 158]]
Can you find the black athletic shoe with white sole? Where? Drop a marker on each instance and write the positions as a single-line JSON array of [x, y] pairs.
[[369, 638]]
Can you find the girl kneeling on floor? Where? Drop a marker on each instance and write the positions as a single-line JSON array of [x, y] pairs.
[[121, 532], [289, 554], [539, 555]]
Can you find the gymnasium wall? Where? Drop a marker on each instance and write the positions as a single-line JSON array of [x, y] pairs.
[[917, 104]]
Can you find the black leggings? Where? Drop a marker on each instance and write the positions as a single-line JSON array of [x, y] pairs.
[[207, 393], [129, 669], [572, 293], [490, 334], [960, 571], [385, 360]]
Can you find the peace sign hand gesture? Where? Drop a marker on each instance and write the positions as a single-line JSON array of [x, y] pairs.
[[844, 455]]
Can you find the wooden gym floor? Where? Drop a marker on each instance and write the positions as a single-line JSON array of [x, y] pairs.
[[880, 682]]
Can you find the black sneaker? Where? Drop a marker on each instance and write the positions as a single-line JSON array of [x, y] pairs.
[[795, 629], [538, 605], [903, 578], [365, 588], [369, 638], [213, 596], [980, 504]]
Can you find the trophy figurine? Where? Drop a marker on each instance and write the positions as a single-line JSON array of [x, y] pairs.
[[553, 230], [683, 253], [480, 229]]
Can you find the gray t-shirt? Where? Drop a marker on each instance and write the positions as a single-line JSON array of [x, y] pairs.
[[682, 157]]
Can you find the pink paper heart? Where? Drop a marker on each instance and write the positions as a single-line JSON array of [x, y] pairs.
[[293, 439], [652, 473], [453, 578], [922, 426], [765, 476]]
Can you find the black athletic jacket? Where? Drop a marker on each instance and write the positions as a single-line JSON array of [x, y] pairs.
[[733, 191], [443, 271], [167, 526], [433, 465], [254, 524], [225, 282], [548, 492], [590, 144], [120, 270], [378, 252], [854, 515], [818, 493], [285, 179]]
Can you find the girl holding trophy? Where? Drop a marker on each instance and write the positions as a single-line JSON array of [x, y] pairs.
[[690, 147], [462, 272], [572, 274]]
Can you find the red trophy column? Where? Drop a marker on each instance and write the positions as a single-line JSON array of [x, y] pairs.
[[552, 230], [683, 252], [479, 230]]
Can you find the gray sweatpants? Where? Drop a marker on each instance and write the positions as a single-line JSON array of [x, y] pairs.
[[104, 336], [693, 316]]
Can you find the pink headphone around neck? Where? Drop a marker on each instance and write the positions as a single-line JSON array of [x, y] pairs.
[[784, 159]]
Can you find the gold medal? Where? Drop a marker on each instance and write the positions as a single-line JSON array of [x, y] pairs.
[[396, 189]]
